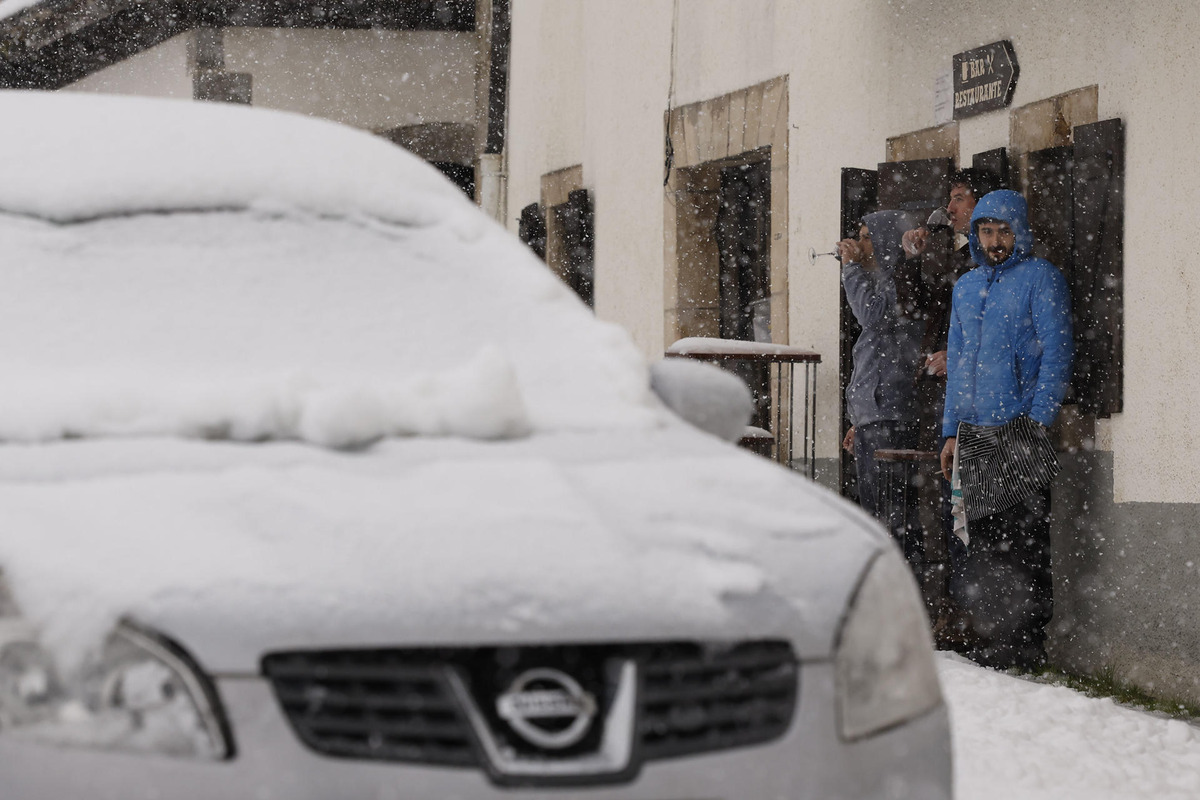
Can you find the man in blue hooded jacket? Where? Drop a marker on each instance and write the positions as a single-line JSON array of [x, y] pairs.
[[1009, 363]]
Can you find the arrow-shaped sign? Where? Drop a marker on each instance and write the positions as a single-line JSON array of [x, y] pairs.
[[984, 79]]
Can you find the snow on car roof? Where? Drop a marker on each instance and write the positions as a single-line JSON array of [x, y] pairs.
[[76, 156], [335, 290]]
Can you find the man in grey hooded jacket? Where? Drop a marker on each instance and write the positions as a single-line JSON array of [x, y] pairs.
[[881, 396]]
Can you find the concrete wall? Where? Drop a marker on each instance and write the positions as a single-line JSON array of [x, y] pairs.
[[1126, 578], [859, 72]]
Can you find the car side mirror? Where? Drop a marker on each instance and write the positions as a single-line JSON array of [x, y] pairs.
[[713, 400]]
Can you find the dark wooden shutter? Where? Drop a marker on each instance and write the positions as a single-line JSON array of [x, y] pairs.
[[1097, 280], [860, 192], [1076, 209], [1051, 205], [996, 162], [1051, 192], [532, 229], [917, 186]]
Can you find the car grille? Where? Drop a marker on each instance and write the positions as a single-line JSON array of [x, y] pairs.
[[694, 700], [371, 704], [398, 705]]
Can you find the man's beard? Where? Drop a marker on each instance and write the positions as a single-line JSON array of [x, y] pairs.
[[996, 258]]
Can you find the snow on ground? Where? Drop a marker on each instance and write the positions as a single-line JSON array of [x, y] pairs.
[[1016, 739]]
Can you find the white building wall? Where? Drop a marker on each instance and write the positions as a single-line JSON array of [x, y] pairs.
[[547, 95], [374, 80], [369, 79], [861, 71], [625, 156], [571, 102], [161, 71]]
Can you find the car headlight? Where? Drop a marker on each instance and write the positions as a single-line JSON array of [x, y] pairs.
[[144, 694], [885, 669]]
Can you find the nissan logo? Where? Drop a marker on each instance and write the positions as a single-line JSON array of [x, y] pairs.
[[547, 708]]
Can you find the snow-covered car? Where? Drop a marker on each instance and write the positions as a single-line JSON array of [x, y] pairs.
[[316, 483]]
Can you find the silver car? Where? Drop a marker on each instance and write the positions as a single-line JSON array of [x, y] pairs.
[[316, 483]]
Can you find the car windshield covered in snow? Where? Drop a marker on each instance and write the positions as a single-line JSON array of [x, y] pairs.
[[229, 301]]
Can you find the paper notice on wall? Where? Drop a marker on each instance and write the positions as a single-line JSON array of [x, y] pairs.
[[943, 95]]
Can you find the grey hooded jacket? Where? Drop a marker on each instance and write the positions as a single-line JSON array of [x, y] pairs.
[[886, 355]]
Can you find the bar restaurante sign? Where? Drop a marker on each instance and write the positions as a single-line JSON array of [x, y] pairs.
[[984, 79]]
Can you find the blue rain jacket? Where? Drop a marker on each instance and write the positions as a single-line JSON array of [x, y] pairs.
[[1010, 346], [887, 353]]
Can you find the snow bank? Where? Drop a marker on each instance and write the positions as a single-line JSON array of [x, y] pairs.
[[1015, 738], [143, 154]]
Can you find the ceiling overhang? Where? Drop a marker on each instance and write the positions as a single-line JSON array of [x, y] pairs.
[[57, 42]]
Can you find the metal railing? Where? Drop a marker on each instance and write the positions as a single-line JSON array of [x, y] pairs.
[[781, 361]]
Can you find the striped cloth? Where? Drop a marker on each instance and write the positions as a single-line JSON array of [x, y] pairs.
[[1003, 465]]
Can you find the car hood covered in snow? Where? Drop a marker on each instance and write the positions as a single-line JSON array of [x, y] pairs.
[[237, 550]]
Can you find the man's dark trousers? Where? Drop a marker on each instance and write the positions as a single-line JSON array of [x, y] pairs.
[[1006, 586], [884, 505]]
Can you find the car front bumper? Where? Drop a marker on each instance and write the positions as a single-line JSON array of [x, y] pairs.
[[910, 761]]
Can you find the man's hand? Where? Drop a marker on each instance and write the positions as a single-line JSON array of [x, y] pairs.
[[848, 441], [948, 457], [935, 363], [915, 241], [849, 251]]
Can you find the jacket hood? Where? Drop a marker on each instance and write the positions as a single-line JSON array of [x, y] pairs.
[[887, 227], [1007, 206]]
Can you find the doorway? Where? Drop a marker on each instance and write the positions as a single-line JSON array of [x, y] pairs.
[[720, 153], [743, 235]]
